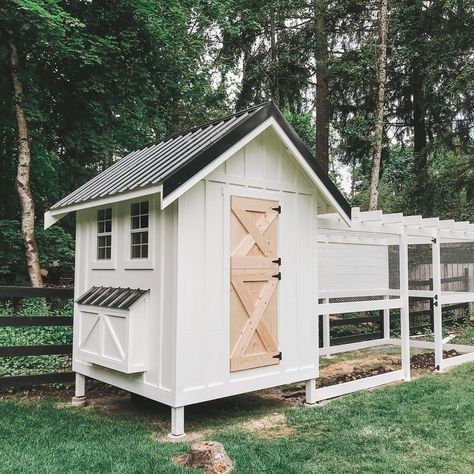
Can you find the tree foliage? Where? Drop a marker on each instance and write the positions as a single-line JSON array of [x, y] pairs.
[[104, 77]]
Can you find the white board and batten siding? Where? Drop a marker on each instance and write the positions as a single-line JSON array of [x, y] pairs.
[[352, 267], [158, 274], [262, 170]]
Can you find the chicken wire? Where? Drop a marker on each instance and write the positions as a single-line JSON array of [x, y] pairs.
[[457, 266]]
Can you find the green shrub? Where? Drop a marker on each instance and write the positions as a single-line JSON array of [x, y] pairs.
[[24, 336]]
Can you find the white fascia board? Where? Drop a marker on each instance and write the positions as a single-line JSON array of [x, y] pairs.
[[395, 218], [309, 171], [369, 216], [270, 122], [458, 235], [446, 224], [215, 164], [54, 215]]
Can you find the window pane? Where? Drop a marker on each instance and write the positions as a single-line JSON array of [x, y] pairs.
[[108, 252], [101, 253], [135, 222], [108, 240], [144, 207], [136, 240], [100, 215], [144, 251], [144, 237], [144, 221], [108, 226], [135, 209], [108, 213], [100, 227], [135, 251]]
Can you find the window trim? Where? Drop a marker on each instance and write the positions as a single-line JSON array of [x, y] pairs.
[[104, 234], [104, 264], [145, 263]]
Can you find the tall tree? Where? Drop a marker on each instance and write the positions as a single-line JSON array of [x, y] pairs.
[[379, 110], [321, 55], [23, 187]]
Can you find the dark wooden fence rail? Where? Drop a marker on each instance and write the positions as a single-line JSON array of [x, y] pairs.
[[15, 292], [376, 322], [428, 284]]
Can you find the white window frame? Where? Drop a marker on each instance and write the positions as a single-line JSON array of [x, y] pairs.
[[104, 264], [145, 263]]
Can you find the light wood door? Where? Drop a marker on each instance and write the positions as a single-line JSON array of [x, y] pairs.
[[254, 283]]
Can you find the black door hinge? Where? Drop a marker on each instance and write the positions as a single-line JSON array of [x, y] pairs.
[[278, 356], [277, 275], [278, 260], [433, 240], [278, 209], [435, 303], [437, 367]]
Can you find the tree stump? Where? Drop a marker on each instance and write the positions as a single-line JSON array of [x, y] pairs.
[[207, 455]]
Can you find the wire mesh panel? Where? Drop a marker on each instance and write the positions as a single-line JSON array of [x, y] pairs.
[[420, 267], [457, 266]]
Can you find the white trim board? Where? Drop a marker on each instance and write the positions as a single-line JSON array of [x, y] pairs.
[[357, 385], [54, 215], [270, 122]]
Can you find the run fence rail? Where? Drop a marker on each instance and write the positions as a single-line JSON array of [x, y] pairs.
[[15, 320]]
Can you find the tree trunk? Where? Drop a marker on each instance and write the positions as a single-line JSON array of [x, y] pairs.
[[321, 55], [23, 176], [381, 76], [275, 88], [419, 124]]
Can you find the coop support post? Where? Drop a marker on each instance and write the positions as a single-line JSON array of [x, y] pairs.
[[177, 422], [311, 398], [405, 308], [79, 399], [437, 307], [470, 287], [326, 332]]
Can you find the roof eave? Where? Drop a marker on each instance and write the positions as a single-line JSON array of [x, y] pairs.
[[52, 216]]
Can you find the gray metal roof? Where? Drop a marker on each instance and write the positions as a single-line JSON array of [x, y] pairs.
[[109, 297], [153, 163], [174, 160]]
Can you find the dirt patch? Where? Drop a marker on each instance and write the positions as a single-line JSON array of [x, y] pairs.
[[345, 367], [427, 360], [271, 426], [190, 437]]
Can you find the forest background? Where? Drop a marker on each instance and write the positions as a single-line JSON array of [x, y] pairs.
[[101, 78]]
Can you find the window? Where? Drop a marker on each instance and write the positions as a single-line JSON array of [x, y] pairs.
[[104, 234], [139, 230]]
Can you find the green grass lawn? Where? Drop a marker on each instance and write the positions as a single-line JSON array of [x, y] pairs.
[[425, 426]]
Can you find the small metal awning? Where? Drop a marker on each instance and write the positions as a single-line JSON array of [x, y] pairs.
[[110, 297]]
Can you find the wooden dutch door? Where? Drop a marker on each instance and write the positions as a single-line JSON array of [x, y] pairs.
[[254, 283]]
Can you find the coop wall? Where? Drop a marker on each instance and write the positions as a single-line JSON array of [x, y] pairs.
[[262, 169], [158, 274]]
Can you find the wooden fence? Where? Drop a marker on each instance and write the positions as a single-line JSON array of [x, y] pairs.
[[12, 293], [374, 322], [455, 277]]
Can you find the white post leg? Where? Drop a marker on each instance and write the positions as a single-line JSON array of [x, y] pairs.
[[437, 308], [177, 422], [405, 309], [79, 399], [386, 321], [311, 392]]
